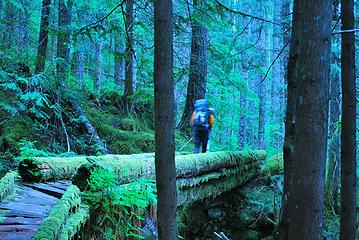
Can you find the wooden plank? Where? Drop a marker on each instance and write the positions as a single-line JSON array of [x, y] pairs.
[[16, 235], [47, 189], [27, 192], [19, 228], [21, 221], [21, 206]]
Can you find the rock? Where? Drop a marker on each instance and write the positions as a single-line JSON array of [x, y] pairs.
[[216, 213]]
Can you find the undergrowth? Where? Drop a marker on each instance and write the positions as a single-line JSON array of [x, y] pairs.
[[117, 212]]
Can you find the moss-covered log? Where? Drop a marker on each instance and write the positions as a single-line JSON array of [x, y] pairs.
[[129, 167], [42, 169], [7, 184], [74, 223], [52, 225]]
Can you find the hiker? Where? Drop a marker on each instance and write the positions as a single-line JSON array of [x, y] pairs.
[[202, 121]]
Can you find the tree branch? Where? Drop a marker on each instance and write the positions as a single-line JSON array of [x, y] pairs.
[[102, 19], [270, 67], [245, 14], [347, 31]]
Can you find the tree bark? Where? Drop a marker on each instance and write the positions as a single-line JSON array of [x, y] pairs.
[[128, 91], [288, 146], [11, 18], [348, 138], [334, 144], [165, 121], [98, 56], [277, 83], [90, 129], [118, 59], [79, 66], [332, 179], [242, 139], [23, 28], [196, 88], [311, 40], [63, 40], [261, 115], [43, 37]]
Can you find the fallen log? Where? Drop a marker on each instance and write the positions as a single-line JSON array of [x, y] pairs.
[[44, 169], [129, 167], [90, 129]]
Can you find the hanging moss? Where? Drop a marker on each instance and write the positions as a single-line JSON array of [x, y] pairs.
[[7, 184], [216, 186], [51, 226]]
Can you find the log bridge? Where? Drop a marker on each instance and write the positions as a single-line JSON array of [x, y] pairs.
[[42, 200]]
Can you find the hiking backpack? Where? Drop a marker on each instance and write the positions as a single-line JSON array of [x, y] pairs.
[[201, 118]]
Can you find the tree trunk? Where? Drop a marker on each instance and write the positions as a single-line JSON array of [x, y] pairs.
[[118, 59], [23, 28], [261, 114], [63, 40], [277, 83], [165, 121], [11, 18], [334, 144], [332, 179], [242, 122], [1, 9], [196, 88], [79, 65], [43, 37], [288, 146], [348, 138], [128, 91], [311, 42], [90, 129], [98, 55]]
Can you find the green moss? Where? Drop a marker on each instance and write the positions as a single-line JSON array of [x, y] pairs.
[[123, 134], [214, 187], [74, 223], [51, 226], [50, 168], [7, 184], [273, 165]]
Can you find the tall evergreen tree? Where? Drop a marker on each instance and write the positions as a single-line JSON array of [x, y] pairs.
[[164, 121], [196, 88], [307, 116], [63, 40], [43, 36], [129, 49], [348, 201]]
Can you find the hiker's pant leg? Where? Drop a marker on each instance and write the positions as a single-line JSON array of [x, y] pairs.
[[197, 141], [204, 139]]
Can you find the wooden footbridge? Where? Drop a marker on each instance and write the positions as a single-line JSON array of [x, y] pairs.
[[42, 200]]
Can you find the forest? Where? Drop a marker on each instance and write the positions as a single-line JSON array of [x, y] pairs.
[[186, 119]]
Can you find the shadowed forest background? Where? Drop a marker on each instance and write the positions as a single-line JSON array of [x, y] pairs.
[[77, 78]]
